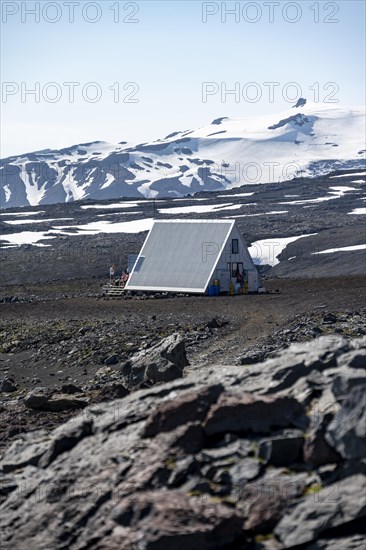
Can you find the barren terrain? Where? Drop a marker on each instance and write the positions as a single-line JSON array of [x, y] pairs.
[[53, 340]]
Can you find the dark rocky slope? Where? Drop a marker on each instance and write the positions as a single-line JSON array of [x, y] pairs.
[[298, 207], [266, 456]]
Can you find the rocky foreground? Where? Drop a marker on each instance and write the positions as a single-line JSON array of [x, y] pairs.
[[263, 456]]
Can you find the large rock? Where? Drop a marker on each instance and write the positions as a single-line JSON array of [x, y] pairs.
[[252, 357], [347, 431], [162, 363], [282, 450], [178, 464], [244, 471], [65, 438], [300, 360], [160, 520], [352, 542], [355, 358], [317, 451], [265, 500], [41, 448], [25, 451], [251, 413], [345, 381], [8, 385], [187, 407], [45, 400], [333, 506]]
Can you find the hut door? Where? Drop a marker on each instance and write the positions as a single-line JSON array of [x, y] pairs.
[[224, 277]]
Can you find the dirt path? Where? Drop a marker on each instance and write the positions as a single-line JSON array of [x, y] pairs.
[[260, 316]]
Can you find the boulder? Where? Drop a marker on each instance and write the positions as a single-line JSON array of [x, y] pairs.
[[281, 450], [300, 360], [65, 438], [25, 451], [113, 390], [70, 389], [335, 505], [244, 471], [188, 407], [214, 323], [346, 380], [347, 431], [162, 363], [7, 485], [41, 448], [252, 357], [351, 542], [7, 385], [265, 500], [183, 522], [355, 359], [317, 451], [111, 359], [252, 413], [45, 400], [329, 319], [264, 506], [183, 468]]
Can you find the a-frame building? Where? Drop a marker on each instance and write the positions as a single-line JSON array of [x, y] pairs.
[[188, 255]]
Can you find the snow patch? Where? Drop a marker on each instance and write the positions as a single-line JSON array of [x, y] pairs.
[[23, 213], [27, 237], [123, 204], [266, 251], [342, 249], [259, 214], [7, 193], [104, 226], [109, 180], [236, 195], [336, 193], [23, 221], [129, 213], [34, 194], [358, 211], [348, 175], [199, 208]]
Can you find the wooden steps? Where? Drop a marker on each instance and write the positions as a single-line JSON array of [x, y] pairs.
[[113, 291]]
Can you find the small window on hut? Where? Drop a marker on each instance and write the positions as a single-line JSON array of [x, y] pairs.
[[138, 264], [235, 246]]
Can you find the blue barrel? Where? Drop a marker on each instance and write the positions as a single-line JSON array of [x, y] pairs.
[[217, 290], [211, 290]]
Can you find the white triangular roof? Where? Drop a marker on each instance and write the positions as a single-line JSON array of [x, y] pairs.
[[180, 255]]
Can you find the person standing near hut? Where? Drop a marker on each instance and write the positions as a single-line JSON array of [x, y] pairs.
[[112, 271], [124, 279]]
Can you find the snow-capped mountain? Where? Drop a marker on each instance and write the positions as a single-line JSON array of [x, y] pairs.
[[308, 139]]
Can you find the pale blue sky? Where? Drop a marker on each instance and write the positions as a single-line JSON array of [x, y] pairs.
[[169, 53]]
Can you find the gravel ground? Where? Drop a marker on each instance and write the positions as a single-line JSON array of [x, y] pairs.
[[50, 342]]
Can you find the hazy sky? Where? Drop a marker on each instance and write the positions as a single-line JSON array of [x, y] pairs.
[[136, 71]]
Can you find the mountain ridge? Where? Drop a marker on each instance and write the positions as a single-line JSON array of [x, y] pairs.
[[308, 139]]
